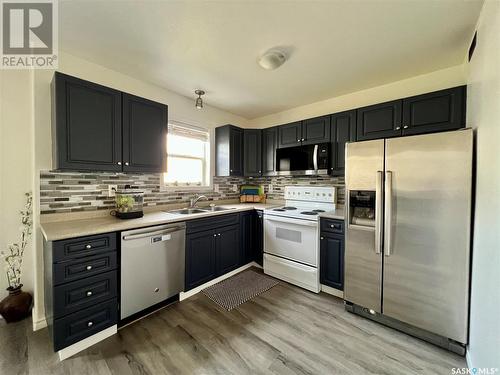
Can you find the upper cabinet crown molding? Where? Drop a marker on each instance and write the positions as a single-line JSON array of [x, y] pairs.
[[96, 128]]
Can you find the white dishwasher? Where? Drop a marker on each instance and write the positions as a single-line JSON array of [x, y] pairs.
[[152, 266]]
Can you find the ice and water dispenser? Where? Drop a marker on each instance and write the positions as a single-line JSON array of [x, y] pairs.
[[362, 208]]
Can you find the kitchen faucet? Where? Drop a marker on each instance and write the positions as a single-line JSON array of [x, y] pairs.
[[194, 201]]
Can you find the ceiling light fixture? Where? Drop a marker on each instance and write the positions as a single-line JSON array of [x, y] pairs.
[[199, 100], [272, 59]]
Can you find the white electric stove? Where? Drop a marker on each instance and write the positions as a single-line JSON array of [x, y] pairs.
[[291, 235]]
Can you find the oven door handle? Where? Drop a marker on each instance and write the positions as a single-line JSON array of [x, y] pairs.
[[289, 220]]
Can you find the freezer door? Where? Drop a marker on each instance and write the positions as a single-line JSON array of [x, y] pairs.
[[363, 259], [427, 231]]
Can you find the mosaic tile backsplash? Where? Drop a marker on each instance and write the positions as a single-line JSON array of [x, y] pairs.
[[73, 192]]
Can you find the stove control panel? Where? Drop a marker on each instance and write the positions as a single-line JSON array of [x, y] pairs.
[[324, 194]]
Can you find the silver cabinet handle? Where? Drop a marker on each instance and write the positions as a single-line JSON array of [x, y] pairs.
[[126, 163], [218, 234], [388, 214], [398, 127], [230, 170], [119, 163], [89, 293], [89, 246], [90, 324], [405, 127], [378, 212], [303, 139], [298, 140], [260, 171], [88, 268], [157, 290], [215, 235], [322, 238]]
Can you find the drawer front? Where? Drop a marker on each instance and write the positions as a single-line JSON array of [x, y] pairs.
[[75, 327], [83, 246], [332, 226], [219, 221], [77, 295], [84, 267]]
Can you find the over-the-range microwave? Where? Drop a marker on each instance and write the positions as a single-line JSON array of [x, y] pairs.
[[303, 160]]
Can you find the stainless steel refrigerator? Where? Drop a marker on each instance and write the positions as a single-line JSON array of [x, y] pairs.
[[408, 220]]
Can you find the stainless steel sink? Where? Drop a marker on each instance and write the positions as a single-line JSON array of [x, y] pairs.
[[216, 208], [187, 211]]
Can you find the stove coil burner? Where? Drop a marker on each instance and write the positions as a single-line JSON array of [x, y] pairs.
[[278, 209], [318, 211], [289, 208], [308, 213]]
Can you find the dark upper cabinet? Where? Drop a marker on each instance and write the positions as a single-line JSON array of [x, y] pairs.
[[316, 130], [228, 151], [96, 128], [227, 249], [437, 111], [252, 155], [290, 134], [332, 260], [379, 121], [343, 129], [86, 125], [144, 135], [269, 145], [201, 262]]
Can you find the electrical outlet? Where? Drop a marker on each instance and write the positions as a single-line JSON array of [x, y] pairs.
[[270, 188], [216, 188], [235, 188], [112, 190]]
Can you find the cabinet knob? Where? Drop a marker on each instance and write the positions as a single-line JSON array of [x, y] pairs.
[[398, 127], [298, 140], [90, 324], [119, 163], [126, 163], [230, 170], [215, 235], [405, 127], [322, 238], [89, 293], [88, 268], [157, 290], [303, 139], [89, 246], [260, 171], [218, 234]]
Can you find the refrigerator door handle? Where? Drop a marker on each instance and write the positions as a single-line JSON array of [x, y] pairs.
[[378, 212], [388, 214]]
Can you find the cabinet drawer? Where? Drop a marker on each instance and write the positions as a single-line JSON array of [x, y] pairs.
[[332, 226], [83, 246], [80, 294], [84, 267], [211, 223], [85, 323]]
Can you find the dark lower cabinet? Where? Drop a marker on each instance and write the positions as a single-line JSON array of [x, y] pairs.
[[437, 111], [343, 130], [81, 287], [144, 135], [252, 152], [247, 230], [332, 255], [290, 135], [316, 130], [226, 249], [269, 146], [259, 237], [379, 121], [228, 151], [201, 263]]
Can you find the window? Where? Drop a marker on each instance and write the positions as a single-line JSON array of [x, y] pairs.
[[188, 150]]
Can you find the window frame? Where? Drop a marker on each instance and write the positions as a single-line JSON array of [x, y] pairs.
[[208, 165]]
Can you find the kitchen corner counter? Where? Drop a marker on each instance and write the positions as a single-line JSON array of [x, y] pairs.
[[60, 230], [338, 214]]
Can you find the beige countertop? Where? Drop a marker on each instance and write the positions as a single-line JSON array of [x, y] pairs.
[[63, 229], [338, 214]]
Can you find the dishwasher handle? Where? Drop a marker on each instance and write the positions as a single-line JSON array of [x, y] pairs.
[[149, 234]]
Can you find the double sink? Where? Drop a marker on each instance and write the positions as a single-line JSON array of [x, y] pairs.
[[189, 211]]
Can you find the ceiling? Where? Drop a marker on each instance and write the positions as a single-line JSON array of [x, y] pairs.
[[334, 47]]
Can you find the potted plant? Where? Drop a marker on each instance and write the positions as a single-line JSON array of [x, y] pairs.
[[17, 305]]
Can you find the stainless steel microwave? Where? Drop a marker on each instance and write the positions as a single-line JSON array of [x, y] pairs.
[[303, 160]]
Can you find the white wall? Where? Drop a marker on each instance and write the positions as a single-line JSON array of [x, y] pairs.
[[421, 84], [483, 114], [16, 172]]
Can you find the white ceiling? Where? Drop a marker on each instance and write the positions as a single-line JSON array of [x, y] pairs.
[[335, 47]]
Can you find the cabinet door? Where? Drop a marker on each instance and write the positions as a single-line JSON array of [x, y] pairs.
[[332, 261], [290, 134], [434, 112], [227, 249], [144, 135], [343, 129], [236, 152], [379, 121], [316, 130], [247, 230], [86, 125], [200, 258], [269, 145], [252, 158]]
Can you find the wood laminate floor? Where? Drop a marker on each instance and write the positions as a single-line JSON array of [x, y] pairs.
[[286, 330]]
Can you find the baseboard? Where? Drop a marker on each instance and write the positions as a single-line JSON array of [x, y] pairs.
[[39, 324], [334, 292], [185, 295], [86, 343]]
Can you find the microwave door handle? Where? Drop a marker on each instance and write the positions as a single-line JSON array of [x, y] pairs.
[[315, 157]]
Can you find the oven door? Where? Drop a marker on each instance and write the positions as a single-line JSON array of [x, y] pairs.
[[293, 239]]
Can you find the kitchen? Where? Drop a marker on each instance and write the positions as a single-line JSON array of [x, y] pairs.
[[185, 223]]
